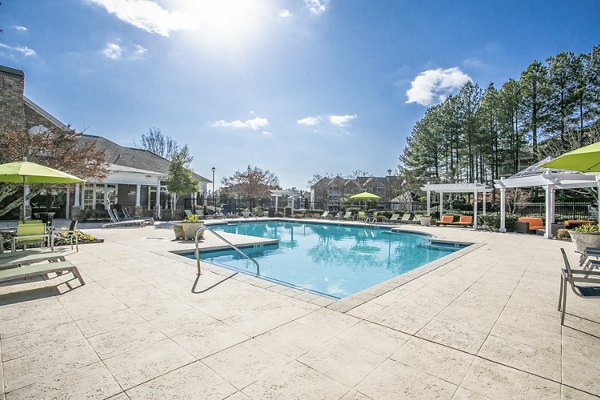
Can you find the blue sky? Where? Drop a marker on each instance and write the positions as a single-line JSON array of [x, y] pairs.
[[294, 86]]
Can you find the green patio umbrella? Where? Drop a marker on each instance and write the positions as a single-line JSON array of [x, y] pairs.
[[584, 159], [365, 196], [27, 172]]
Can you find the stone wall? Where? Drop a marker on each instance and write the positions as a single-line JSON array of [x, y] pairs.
[[12, 110]]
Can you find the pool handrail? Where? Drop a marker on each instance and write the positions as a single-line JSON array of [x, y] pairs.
[[197, 251]]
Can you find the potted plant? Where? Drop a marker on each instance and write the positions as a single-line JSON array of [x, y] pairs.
[[585, 236], [189, 226], [425, 220], [245, 213]]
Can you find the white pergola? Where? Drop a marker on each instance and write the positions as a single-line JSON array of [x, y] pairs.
[[550, 181], [290, 193], [442, 188]]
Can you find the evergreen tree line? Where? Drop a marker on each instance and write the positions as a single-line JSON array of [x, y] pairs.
[[480, 135]]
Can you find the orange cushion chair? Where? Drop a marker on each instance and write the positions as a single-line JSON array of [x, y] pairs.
[[446, 220], [534, 223], [466, 220]]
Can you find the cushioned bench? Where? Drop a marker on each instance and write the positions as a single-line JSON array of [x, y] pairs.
[[528, 224], [39, 270]]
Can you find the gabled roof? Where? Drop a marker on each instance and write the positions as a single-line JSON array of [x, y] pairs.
[[374, 180], [130, 157], [45, 114]]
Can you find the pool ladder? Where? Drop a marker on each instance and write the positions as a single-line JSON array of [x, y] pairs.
[[197, 251]]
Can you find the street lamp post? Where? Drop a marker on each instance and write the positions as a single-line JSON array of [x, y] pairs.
[[214, 200]]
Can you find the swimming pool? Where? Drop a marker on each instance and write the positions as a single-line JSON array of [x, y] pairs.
[[328, 259]]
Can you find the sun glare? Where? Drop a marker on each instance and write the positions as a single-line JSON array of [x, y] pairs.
[[229, 21]]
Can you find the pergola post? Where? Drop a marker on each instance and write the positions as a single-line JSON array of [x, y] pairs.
[[77, 196], [276, 203], [475, 209], [502, 210], [158, 200], [441, 204], [138, 195], [484, 196], [429, 202]]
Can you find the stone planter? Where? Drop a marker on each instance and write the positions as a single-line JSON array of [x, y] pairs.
[[583, 240], [245, 214], [178, 230], [189, 229], [425, 220]]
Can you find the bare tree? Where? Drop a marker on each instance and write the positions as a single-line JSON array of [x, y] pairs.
[[55, 148], [251, 184], [159, 144]]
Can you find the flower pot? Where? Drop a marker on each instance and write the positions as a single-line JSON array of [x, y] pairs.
[[178, 229], [425, 220], [583, 240], [245, 214], [189, 230]]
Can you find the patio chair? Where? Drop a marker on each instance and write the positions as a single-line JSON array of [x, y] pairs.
[[337, 216], [31, 233], [361, 216], [394, 218], [573, 277], [27, 271], [373, 219], [347, 216], [188, 213], [20, 258], [405, 218], [70, 234], [585, 259], [325, 214]]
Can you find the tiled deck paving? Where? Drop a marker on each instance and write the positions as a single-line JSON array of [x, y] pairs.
[[484, 326]]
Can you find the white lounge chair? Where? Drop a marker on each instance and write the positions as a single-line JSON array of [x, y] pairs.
[[40, 270]]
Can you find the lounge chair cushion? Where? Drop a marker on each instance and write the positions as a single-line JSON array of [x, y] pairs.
[[534, 223]]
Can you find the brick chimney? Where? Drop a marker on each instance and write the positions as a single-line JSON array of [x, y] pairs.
[[12, 110]]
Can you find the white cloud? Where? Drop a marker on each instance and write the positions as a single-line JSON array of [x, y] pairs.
[[309, 121], [21, 28], [341, 120], [285, 13], [149, 16], [316, 7], [112, 51], [139, 51], [22, 50], [435, 85], [267, 133], [254, 124]]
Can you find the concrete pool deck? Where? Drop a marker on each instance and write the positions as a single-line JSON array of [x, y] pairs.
[[481, 326]]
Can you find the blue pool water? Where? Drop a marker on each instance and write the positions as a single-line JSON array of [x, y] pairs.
[[334, 260]]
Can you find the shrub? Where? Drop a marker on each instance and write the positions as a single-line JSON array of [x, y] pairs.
[[192, 218], [587, 228], [491, 222]]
